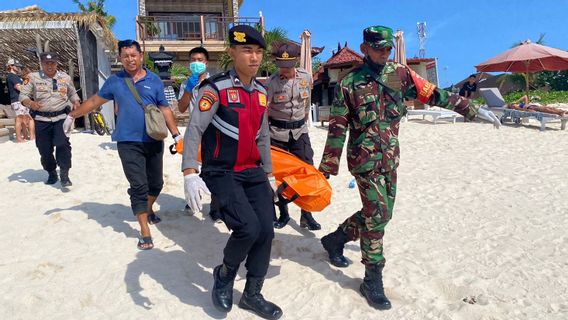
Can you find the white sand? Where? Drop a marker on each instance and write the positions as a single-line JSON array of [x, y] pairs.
[[480, 214]]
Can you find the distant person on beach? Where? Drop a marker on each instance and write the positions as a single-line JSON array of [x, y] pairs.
[[50, 95], [523, 104], [141, 156], [369, 103], [289, 96], [469, 87], [230, 122], [23, 118]]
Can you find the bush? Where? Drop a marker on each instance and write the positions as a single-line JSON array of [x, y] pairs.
[[545, 97]]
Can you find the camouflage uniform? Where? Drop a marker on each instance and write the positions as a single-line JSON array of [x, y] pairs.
[[370, 104]]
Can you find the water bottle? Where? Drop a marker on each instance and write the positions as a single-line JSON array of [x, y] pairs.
[[351, 184]]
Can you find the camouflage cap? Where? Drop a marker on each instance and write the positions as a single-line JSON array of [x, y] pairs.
[[378, 37]]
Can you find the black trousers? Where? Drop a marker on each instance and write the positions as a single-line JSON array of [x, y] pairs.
[[142, 163], [244, 200], [301, 148], [49, 136]]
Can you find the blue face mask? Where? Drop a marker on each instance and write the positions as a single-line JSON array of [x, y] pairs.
[[197, 67]]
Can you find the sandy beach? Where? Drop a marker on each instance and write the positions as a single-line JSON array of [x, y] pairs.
[[481, 216]]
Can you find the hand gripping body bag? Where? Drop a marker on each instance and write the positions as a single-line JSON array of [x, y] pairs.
[[154, 118]]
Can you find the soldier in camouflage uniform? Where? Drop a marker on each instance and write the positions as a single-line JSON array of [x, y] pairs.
[[369, 102]]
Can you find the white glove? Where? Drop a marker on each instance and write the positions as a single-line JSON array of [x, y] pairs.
[[178, 138], [489, 116], [272, 181], [68, 125], [194, 187]]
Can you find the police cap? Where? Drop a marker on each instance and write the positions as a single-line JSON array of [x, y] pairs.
[[243, 34], [378, 37], [49, 57], [286, 55]]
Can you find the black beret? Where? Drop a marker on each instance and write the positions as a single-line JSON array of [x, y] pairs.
[[243, 34]]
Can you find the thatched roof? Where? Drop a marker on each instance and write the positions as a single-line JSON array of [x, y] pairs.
[[20, 28]]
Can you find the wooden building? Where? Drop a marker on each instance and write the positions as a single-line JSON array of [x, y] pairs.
[[83, 42], [181, 25]]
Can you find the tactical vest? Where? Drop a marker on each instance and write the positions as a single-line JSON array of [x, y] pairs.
[[230, 141]]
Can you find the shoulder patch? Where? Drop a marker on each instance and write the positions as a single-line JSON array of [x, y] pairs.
[[207, 100]]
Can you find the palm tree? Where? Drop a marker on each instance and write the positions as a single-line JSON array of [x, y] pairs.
[[267, 66], [97, 7]]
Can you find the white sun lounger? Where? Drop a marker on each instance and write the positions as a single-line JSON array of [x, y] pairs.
[[435, 114]]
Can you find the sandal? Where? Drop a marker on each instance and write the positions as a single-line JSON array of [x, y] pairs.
[[153, 218], [145, 243]]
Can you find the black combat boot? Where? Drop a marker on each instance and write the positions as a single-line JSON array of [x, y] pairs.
[[284, 216], [253, 300], [334, 243], [308, 221], [65, 182], [372, 288], [52, 177], [222, 294]]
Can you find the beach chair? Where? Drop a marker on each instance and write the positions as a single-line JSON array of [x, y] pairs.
[[437, 113], [494, 100]]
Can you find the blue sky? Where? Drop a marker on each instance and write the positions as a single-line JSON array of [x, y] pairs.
[[460, 34]]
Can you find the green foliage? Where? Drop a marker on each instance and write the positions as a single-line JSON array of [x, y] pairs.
[[149, 63], [545, 97], [555, 80], [316, 63], [97, 7], [179, 73]]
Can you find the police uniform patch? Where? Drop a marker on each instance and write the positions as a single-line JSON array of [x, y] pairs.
[[26, 81], [207, 100], [280, 98], [233, 96], [304, 83], [262, 99]]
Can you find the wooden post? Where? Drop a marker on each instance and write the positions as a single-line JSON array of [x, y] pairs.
[[202, 27]]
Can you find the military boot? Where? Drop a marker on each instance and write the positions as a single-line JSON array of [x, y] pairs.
[[222, 294], [65, 182], [334, 243], [52, 177], [372, 288], [308, 221], [253, 300], [284, 216]]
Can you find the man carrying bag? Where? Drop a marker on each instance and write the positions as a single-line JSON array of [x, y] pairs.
[[139, 145]]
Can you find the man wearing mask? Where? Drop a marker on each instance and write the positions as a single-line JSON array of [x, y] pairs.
[[50, 95], [369, 102], [199, 58]]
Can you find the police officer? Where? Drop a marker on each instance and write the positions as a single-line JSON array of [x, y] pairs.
[[369, 103], [289, 93], [230, 122], [50, 95]]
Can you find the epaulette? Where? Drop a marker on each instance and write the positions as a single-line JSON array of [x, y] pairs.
[[215, 79]]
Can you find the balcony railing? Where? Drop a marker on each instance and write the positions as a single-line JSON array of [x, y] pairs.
[[189, 28]]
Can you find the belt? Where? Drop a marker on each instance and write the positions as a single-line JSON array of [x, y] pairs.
[[287, 124], [35, 113]]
